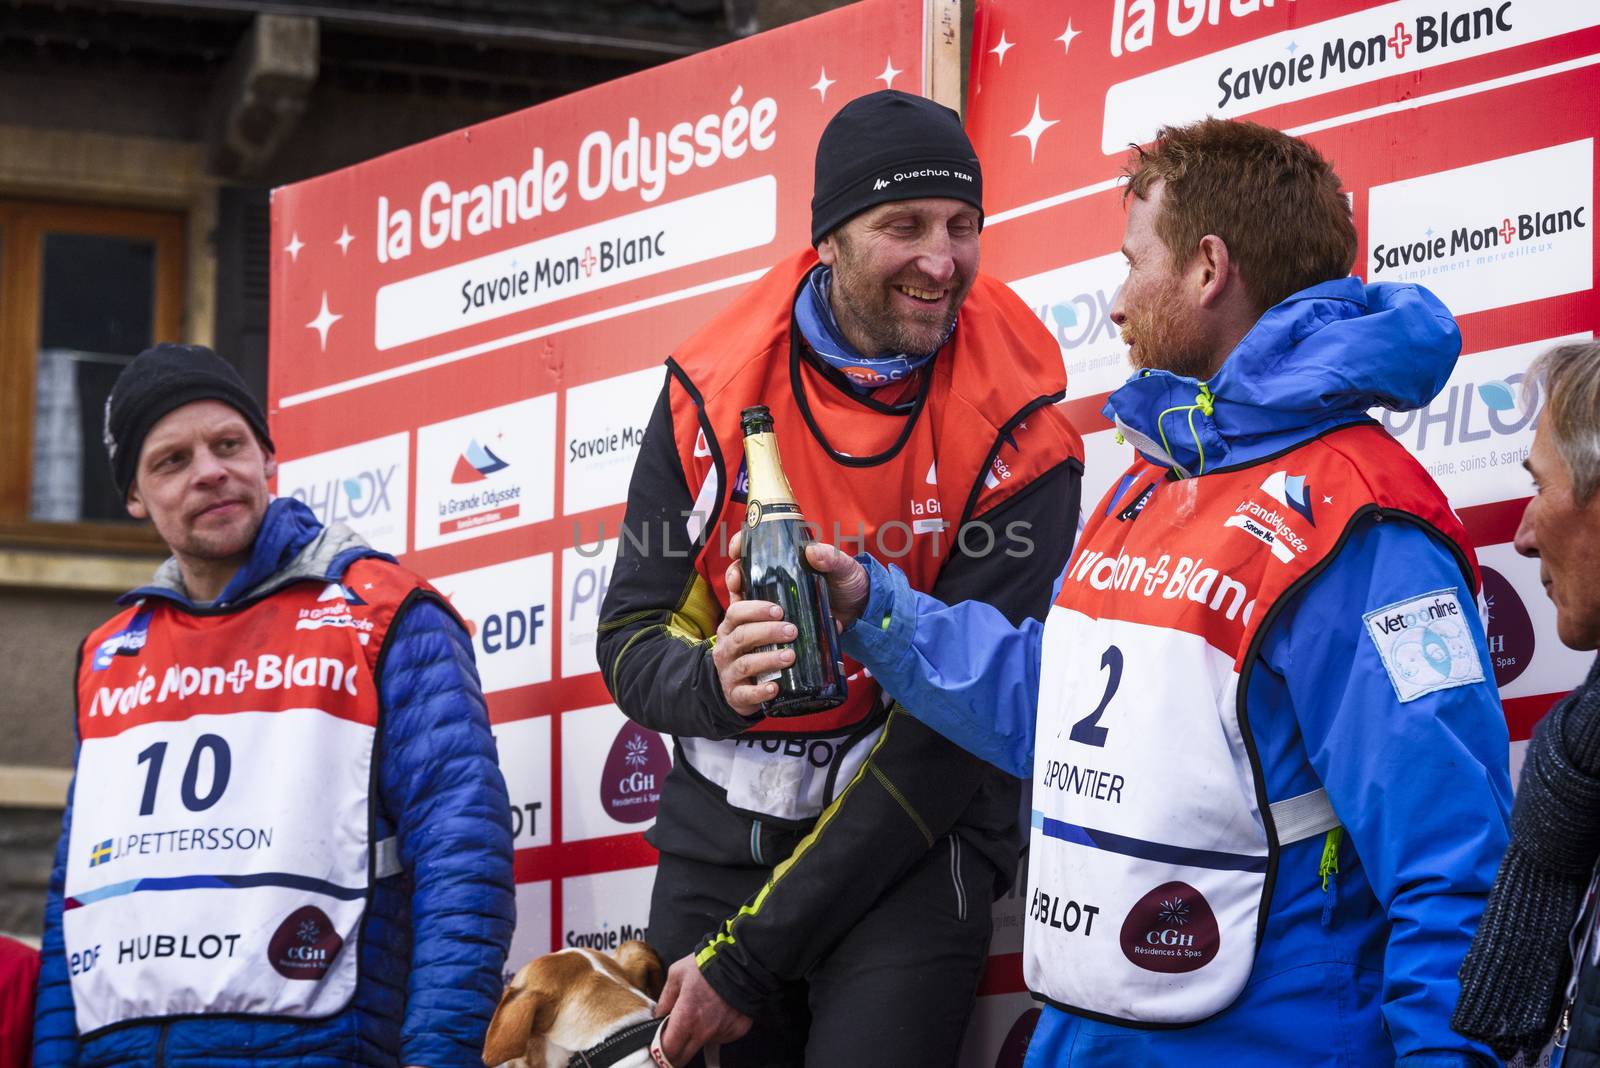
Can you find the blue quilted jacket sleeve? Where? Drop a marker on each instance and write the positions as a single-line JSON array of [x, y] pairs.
[[55, 1026], [441, 783]]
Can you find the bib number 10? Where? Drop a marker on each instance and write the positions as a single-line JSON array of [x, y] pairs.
[[1088, 730], [221, 768]]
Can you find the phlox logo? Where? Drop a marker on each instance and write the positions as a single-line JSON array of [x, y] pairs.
[[585, 577], [630, 780], [305, 945], [1467, 412], [1473, 436], [1074, 303], [362, 485], [127, 642], [476, 463], [1171, 930]]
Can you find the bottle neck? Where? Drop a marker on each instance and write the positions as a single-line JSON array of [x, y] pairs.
[[767, 482]]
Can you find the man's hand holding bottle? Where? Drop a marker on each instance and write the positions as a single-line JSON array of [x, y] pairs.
[[749, 629]]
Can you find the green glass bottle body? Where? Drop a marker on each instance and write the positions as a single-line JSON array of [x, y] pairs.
[[773, 561]]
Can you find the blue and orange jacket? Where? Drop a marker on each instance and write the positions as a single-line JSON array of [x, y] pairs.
[[434, 938], [1364, 971]]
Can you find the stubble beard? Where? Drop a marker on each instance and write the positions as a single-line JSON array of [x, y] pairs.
[[867, 304], [1166, 340]]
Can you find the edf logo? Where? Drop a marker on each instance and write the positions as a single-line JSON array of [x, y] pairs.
[[588, 588], [503, 632]]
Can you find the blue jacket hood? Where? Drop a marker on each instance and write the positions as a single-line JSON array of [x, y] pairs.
[[1319, 359]]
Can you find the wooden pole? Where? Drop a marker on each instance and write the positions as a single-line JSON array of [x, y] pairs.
[[941, 20]]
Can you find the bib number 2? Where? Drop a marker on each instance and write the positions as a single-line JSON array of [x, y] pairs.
[[193, 800], [1088, 730]]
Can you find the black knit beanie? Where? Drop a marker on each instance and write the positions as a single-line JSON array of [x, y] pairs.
[[161, 380], [888, 146]]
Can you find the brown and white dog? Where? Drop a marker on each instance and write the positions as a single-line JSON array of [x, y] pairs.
[[581, 1008]]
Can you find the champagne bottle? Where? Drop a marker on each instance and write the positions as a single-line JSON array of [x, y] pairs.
[[773, 560]]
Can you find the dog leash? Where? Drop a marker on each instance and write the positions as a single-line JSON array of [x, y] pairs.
[[623, 1044]]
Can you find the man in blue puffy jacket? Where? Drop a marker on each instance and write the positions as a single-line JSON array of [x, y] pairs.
[[1268, 761], [288, 840]]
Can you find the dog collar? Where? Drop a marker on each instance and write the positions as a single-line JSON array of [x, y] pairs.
[[628, 1041]]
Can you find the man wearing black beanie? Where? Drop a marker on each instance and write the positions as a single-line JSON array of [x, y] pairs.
[[287, 838], [825, 880]]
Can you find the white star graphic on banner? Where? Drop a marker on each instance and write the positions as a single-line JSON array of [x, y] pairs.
[[1036, 126], [323, 321], [1066, 37], [889, 73], [293, 247], [1002, 48], [344, 239], [822, 84]]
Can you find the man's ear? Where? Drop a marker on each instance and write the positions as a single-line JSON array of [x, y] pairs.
[[134, 504], [523, 1013], [827, 252], [271, 466], [1213, 269], [642, 965]]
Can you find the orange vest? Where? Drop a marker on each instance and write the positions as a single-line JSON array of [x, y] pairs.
[[220, 855], [898, 486]]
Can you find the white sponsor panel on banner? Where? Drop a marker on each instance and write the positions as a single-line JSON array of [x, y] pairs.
[[508, 610], [1074, 303], [1310, 60], [612, 771], [1475, 434], [364, 485], [524, 748], [1525, 652], [585, 574], [486, 472], [531, 938], [664, 238], [1491, 234], [603, 911], [605, 424]]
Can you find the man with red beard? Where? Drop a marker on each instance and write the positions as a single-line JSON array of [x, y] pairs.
[[828, 876], [1269, 765]]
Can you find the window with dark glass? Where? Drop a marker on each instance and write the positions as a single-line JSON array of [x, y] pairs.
[[82, 290]]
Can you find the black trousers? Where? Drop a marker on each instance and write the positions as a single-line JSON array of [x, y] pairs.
[[897, 991]]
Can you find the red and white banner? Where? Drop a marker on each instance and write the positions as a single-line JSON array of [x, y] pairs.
[[1465, 134], [467, 340]]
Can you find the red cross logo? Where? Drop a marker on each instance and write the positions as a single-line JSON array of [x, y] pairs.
[[1399, 40], [588, 261], [1507, 231]]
